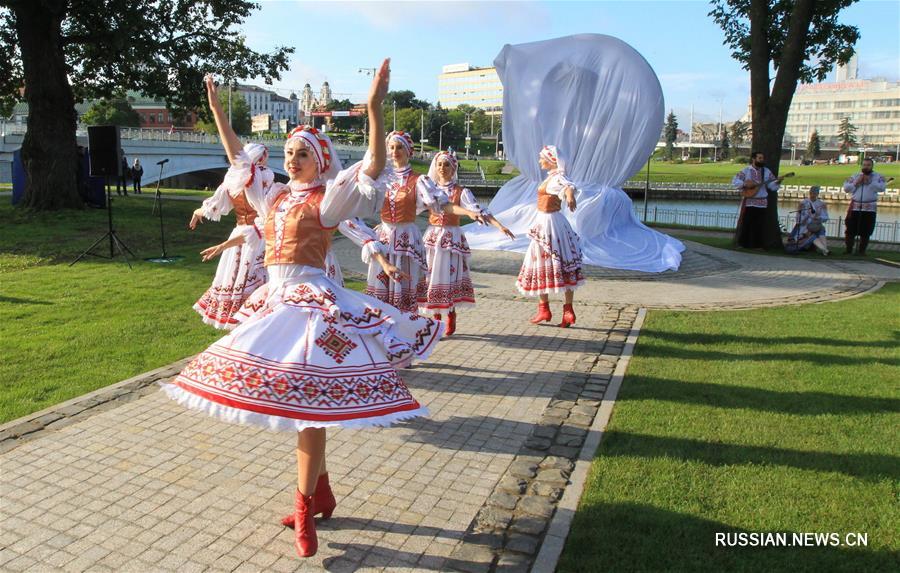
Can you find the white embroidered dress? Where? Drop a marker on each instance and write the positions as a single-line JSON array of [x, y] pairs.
[[311, 353], [405, 248], [553, 260], [363, 237], [449, 284], [240, 270]]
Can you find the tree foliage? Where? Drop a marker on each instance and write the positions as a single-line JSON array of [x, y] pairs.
[[670, 132], [739, 132], [846, 135], [814, 147], [116, 111], [404, 99], [62, 51], [240, 114]]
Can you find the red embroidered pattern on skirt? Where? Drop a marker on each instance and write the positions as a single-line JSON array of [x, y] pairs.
[[448, 295], [299, 391]]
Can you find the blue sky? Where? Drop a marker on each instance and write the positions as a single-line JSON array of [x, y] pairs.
[[684, 46]]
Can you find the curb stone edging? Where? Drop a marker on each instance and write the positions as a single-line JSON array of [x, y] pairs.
[[555, 539], [509, 529], [19, 431]]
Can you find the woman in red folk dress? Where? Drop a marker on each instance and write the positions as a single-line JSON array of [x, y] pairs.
[[408, 194], [553, 260], [313, 355], [449, 285], [240, 270]]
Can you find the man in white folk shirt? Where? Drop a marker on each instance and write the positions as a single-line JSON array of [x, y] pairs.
[[865, 187], [751, 229]]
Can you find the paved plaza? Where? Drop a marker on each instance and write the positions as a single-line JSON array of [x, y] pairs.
[[125, 480]]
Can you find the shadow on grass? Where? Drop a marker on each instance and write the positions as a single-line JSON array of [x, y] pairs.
[[697, 338], [738, 397], [872, 467], [14, 300], [650, 348], [639, 537]]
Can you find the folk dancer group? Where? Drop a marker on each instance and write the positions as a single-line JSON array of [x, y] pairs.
[[304, 353]]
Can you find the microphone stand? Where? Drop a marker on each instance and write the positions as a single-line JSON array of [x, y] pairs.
[[157, 203]]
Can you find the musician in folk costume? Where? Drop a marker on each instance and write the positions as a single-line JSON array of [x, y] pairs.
[[809, 230], [752, 218], [864, 187]]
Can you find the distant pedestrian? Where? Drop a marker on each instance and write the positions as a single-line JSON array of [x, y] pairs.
[[864, 187], [122, 181], [136, 173]]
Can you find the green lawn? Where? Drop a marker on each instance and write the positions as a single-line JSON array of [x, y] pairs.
[[69, 330], [770, 420], [824, 175], [837, 250]]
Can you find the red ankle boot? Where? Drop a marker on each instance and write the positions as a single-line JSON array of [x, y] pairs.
[[323, 502], [543, 313], [568, 316], [306, 543], [451, 323]]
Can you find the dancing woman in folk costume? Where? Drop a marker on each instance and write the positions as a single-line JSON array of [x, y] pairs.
[[407, 195], [553, 260], [240, 270], [449, 285], [314, 355]]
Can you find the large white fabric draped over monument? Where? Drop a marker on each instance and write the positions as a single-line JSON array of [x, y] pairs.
[[599, 101]]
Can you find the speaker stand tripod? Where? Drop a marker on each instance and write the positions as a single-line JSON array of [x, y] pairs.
[[115, 243]]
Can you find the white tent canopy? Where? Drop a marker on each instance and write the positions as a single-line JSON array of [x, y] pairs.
[[600, 103]]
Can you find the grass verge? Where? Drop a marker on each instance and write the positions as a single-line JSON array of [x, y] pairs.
[[71, 330], [771, 420]]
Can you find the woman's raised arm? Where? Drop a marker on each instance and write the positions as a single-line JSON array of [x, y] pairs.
[[229, 138], [377, 93]]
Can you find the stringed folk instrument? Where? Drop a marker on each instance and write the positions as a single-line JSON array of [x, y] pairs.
[[751, 191]]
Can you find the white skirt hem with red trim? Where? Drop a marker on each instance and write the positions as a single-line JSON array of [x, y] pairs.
[[231, 415], [552, 261], [449, 284], [239, 273]]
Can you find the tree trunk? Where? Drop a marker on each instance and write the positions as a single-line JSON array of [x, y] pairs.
[[49, 150]]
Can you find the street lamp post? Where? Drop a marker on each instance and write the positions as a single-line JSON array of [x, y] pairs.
[[468, 138], [441, 136]]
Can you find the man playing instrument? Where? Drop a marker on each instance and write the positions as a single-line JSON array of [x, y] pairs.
[[754, 182], [865, 187]]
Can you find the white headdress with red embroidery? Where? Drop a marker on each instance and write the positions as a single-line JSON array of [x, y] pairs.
[[257, 152], [433, 169], [322, 149], [403, 139], [551, 154]]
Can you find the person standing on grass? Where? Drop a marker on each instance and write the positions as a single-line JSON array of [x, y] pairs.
[[313, 355], [136, 173], [553, 260], [864, 188], [751, 227], [122, 180]]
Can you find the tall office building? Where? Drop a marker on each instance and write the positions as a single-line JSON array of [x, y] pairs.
[[464, 84]]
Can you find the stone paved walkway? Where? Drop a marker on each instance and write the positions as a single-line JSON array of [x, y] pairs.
[[128, 481]]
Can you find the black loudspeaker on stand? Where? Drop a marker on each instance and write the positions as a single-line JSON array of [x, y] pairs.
[[106, 160], [157, 207]]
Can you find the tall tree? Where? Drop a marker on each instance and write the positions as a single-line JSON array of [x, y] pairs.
[[846, 135], [404, 99], [64, 51], [116, 111], [724, 145], [670, 133], [801, 40], [814, 147]]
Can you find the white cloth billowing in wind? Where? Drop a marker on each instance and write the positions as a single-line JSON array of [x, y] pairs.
[[596, 99]]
